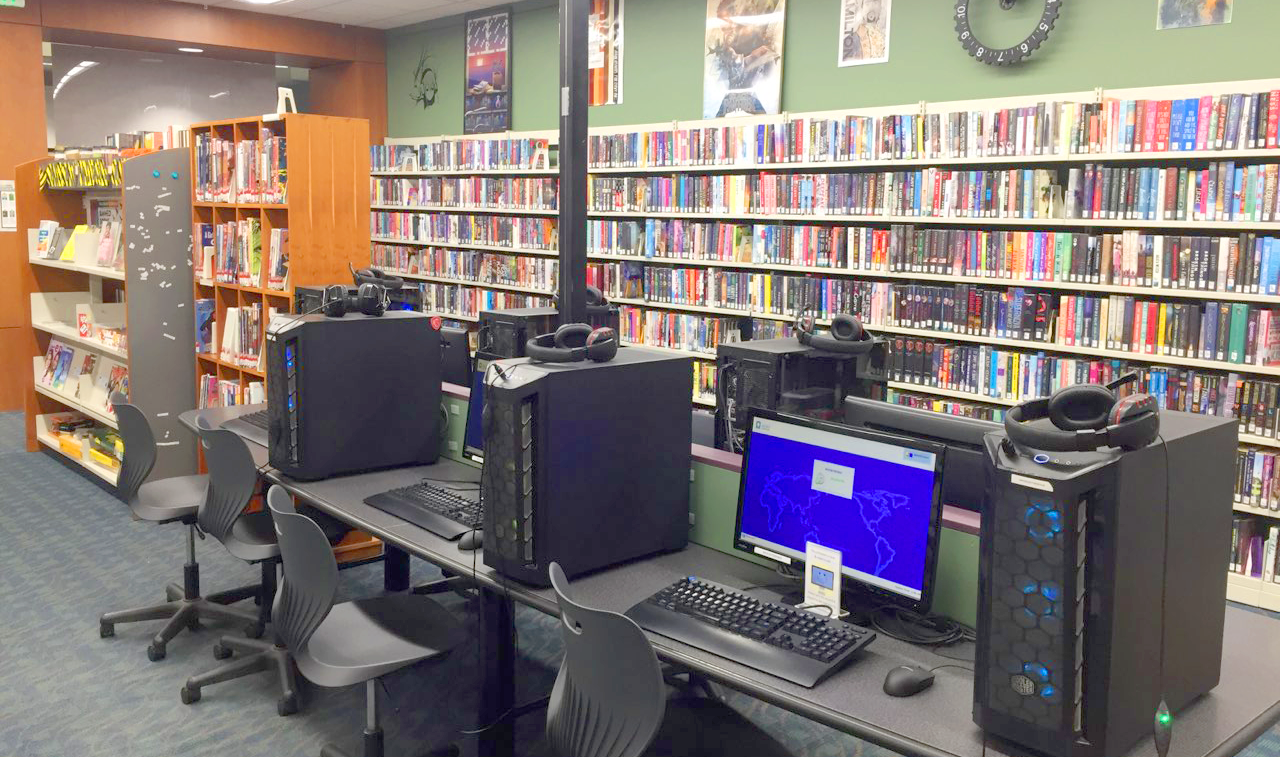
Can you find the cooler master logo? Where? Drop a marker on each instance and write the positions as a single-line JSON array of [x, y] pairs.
[[1022, 685]]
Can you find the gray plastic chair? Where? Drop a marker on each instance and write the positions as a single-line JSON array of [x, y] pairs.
[[168, 500], [233, 479], [610, 699], [351, 642]]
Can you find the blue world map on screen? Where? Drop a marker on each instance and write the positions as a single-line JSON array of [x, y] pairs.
[[880, 529]]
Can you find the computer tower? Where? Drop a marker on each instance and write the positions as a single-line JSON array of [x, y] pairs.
[[784, 375], [503, 333], [586, 464], [353, 393], [455, 355], [309, 299], [1072, 557]]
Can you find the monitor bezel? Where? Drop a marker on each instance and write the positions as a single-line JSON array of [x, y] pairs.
[[851, 584], [478, 366]]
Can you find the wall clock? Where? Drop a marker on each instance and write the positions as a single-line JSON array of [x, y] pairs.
[[1005, 56]]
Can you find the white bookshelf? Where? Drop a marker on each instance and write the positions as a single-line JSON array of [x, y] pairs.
[[467, 246], [469, 172], [473, 283], [92, 270], [1253, 591], [46, 436], [468, 209]]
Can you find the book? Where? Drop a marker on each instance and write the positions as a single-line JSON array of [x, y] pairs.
[[205, 327]]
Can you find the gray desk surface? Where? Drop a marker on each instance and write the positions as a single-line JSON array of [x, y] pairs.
[[935, 723]]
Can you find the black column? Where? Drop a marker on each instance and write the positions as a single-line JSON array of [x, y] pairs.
[[573, 160]]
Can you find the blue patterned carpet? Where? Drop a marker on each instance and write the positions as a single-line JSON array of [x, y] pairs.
[[70, 552]]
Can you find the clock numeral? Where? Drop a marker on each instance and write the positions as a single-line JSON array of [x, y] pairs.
[[1024, 47], [1044, 27], [965, 37], [982, 51]]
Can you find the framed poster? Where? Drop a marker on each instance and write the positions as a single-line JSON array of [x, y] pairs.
[[1180, 14], [743, 73], [487, 98], [604, 53], [864, 32]]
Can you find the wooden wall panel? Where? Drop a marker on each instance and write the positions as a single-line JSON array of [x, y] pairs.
[[352, 90]]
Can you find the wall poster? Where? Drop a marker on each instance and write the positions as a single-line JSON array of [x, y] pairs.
[[743, 74], [604, 52], [487, 100], [1180, 14], [864, 32]]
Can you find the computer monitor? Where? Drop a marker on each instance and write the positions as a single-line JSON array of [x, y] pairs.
[[473, 437], [455, 355], [964, 472], [872, 496]]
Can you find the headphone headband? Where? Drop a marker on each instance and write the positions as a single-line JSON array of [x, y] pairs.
[[847, 335], [572, 343]]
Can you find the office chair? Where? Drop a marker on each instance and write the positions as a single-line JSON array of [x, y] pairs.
[[167, 500], [351, 642], [233, 478], [610, 699]]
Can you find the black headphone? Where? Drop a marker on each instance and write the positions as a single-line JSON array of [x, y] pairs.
[[847, 335], [375, 276], [574, 342], [1086, 417], [370, 299]]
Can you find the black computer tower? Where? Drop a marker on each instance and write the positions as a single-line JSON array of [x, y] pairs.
[[784, 375], [504, 333], [353, 393], [586, 464], [1069, 612], [309, 299]]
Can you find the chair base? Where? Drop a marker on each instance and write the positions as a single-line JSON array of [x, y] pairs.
[[181, 613], [262, 655]]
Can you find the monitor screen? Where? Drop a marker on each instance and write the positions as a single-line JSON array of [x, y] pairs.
[[872, 496], [473, 439]]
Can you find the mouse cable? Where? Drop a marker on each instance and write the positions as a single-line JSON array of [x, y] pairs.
[[960, 667]]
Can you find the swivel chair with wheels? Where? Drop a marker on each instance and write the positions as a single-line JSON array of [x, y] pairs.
[[351, 642], [610, 699], [233, 478], [168, 500]]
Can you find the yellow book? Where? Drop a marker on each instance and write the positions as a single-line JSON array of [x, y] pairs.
[[69, 252], [1160, 350]]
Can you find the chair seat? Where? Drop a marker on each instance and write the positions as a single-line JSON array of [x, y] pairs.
[[698, 727], [169, 499], [367, 638], [253, 537]]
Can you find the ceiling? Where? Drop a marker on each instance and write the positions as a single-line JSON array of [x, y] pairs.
[[378, 14]]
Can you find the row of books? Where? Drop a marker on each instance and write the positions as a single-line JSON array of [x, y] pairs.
[[83, 376], [215, 392], [451, 228], [694, 333], [815, 246], [1254, 539], [465, 153], [1218, 192], [138, 142], [1211, 122], [468, 301], [231, 252], [470, 265], [248, 170], [506, 192], [241, 338], [84, 438], [84, 244], [945, 405], [704, 380], [932, 192]]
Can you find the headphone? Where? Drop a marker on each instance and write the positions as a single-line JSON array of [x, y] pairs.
[[375, 276], [370, 299], [572, 343], [847, 335], [1087, 417]]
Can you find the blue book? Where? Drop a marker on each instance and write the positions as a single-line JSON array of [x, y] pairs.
[[1175, 125], [1272, 268], [1130, 111], [1190, 124], [1210, 345], [1235, 209]]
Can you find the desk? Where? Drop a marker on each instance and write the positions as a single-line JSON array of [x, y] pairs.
[[935, 723]]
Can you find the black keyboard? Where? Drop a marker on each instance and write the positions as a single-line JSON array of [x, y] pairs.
[[777, 639], [445, 512], [251, 426], [258, 419]]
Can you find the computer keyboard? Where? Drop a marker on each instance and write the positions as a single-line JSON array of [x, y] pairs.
[[251, 426], [445, 512], [258, 418], [777, 639]]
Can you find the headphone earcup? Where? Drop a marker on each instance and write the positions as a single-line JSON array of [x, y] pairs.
[[335, 301], [1081, 407], [846, 328], [602, 345], [572, 335], [1134, 422]]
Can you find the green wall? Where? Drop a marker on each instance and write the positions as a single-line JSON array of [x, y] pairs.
[[1097, 43]]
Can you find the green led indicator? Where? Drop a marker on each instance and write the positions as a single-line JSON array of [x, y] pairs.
[[13, 3], [1164, 718]]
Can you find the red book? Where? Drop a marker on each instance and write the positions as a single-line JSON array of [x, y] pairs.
[[1151, 113], [1163, 115], [1097, 191], [1153, 325], [1223, 108], [1202, 124], [1273, 117], [1069, 307]]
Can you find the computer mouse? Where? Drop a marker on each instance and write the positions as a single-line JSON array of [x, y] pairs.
[[471, 540], [906, 681]]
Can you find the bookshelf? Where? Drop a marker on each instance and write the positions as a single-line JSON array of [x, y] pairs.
[[707, 195], [118, 324], [307, 178]]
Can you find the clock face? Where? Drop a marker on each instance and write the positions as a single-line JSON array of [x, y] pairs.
[[1004, 56]]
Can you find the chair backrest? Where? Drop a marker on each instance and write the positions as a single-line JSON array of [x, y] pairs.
[[232, 479], [609, 698], [139, 447], [310, 580]]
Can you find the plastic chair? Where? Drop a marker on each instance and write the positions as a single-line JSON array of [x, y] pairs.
[[351, 642], [233, 478], [168, 500], [610, 699]]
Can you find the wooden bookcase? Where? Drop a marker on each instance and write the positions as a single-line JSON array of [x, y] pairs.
[[326, 213], [1241, 588]]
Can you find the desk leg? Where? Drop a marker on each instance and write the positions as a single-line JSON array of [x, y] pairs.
[[395, 568], [497, 687]]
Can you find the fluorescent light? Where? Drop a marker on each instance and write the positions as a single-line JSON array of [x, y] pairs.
[[76, 70], [149, 107], [277, 66], [190, 49], [48, 63], [150, 60], [260, 2], [216, 95]]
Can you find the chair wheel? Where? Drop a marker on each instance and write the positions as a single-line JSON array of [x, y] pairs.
[[220, 652], [106, 630], [155, 653], [189, 696], [254, 630], [287, 705], [193, 624]]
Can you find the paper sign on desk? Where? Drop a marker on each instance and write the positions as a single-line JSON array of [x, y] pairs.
[[822, 577]]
